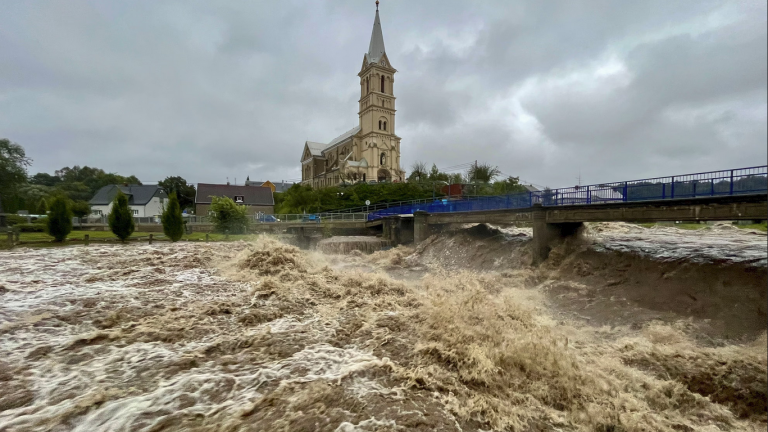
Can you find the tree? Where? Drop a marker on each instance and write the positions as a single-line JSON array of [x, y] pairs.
[[81, 183], [228, 217], [185, 192], [13, 168], [121, 217], [298, 199], [81, 209], [173, 223], [482, 173], [60, 219], [42, 207], [44, 179], [418, 171], [510, 185]]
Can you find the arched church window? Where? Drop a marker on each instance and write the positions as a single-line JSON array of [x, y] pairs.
[[382, 83], [385, 125], [379, 124], [367, 85]]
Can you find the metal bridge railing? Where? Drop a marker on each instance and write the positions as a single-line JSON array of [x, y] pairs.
[[290, 218], [715, 183]]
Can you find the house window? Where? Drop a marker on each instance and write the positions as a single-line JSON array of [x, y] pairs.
[[239, 199], [96, 212], [135, 212], [363, 176], [382, 83]]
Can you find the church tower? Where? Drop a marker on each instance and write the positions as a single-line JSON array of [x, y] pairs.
[[379, 144], [370, 151]]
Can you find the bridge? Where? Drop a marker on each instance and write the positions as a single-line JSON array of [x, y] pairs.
[[736, 194]]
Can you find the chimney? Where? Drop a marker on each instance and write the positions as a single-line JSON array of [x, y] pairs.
[[227, 183]]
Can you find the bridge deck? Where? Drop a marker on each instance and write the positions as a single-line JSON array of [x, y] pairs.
[[733, 207]]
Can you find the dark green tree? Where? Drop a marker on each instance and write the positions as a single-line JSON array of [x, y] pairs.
[[228, 217], [185, 192], [44, 179], [60, 219], [121, 217], [81, 183], [298, 199], [81, 209], [42, 207], [510, 185], [13, 168], [173, 223]]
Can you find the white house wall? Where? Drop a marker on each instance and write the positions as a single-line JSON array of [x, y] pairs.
[[153, 208]]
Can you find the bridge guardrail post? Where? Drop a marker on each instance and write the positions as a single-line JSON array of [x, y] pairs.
[[731, 192], [625, 192], [672, 193]]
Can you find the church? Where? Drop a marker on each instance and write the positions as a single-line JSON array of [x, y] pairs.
[[369, 152]]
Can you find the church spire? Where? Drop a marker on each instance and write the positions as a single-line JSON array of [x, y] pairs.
[[376, 47]]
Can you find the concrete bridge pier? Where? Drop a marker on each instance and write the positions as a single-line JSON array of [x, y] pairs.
[[546, 235], [303, 240], [421, 228]]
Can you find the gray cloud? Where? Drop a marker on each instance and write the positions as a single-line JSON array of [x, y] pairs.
[[615, 90]]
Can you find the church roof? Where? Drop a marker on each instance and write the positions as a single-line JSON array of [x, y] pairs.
[[316, 148], [376, 47], [344, 136]]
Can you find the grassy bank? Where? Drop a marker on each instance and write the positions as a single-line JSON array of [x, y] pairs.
[[97, 236]]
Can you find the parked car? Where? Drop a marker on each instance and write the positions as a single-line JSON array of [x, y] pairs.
[[266, 218], [310, 218]]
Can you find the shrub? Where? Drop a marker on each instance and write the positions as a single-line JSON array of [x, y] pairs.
[[173, 223], [60, 219], [228, 217], [32, 227], [121, 218], [12, 220]]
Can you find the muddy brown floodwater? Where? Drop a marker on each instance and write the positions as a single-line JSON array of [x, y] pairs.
[[625, 329]]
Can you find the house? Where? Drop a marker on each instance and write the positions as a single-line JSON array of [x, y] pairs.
[[276, 186], [144, 200], [370, 151], [258, 199]]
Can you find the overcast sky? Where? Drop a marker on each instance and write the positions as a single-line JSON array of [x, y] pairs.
[[614, 90]]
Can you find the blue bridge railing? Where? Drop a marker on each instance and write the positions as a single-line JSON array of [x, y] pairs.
[[715, 183]]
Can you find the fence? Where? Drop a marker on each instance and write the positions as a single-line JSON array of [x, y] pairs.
[[291, 218], [715, 183]]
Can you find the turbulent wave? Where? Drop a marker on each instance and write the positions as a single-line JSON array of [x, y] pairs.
[[458, 334]]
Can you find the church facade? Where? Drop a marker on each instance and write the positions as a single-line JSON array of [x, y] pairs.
[[369, 152]]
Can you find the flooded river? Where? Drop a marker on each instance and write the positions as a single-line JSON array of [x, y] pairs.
[[628, 329]]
